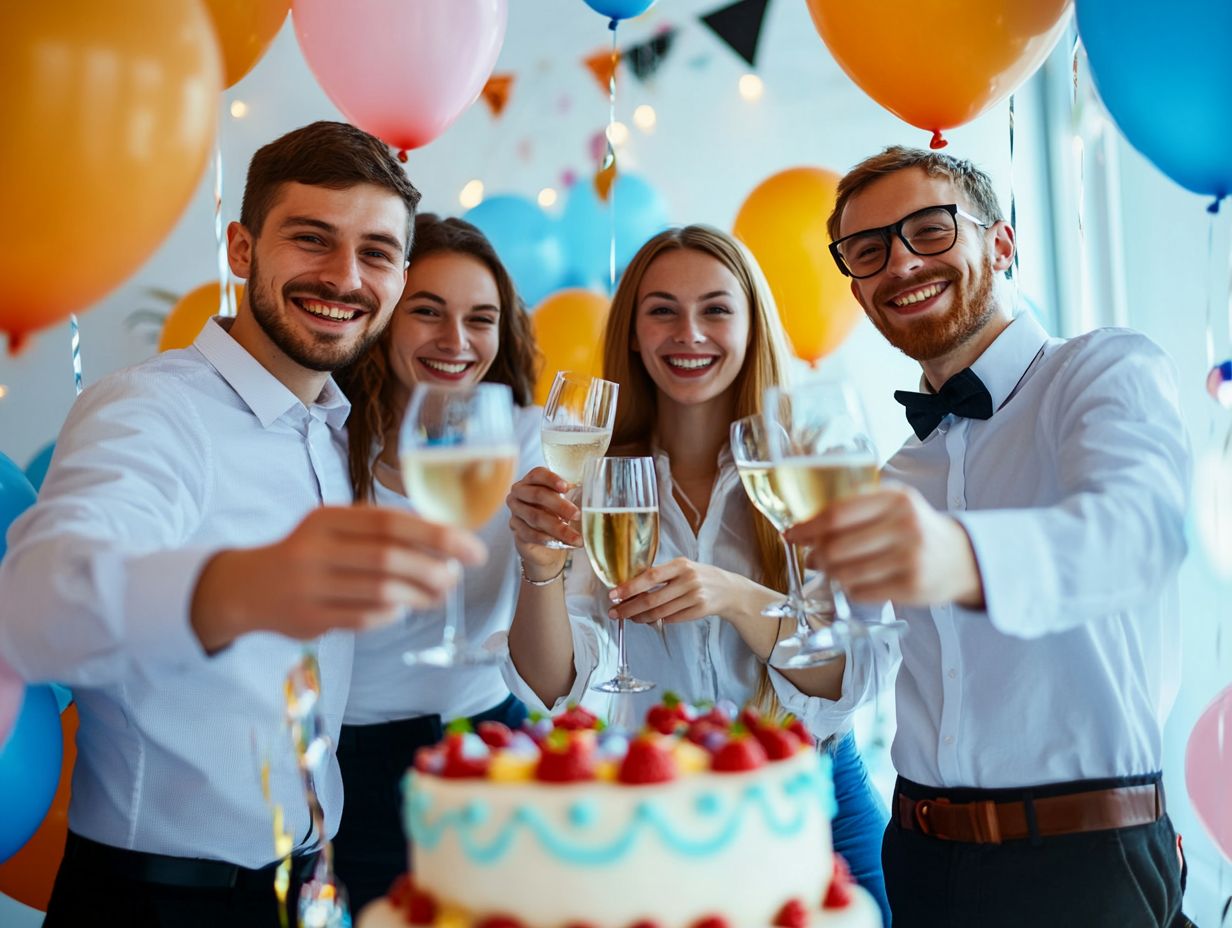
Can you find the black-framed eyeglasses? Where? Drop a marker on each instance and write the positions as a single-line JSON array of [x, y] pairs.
[[932, 230]]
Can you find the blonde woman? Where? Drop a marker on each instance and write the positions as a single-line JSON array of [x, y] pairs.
[[693, 339]]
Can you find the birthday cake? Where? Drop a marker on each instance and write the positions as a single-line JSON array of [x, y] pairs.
[[699, 821]]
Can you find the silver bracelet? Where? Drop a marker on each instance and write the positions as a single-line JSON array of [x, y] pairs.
[[550, 580]]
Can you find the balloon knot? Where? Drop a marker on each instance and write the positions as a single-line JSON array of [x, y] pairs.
[[937, 141], [1213, 209], [17, 342], [613, 24], [402, 155]]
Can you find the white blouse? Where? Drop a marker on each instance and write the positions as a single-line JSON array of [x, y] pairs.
[[702, 660], [383, 687]]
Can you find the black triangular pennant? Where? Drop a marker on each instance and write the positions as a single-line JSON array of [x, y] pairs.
[[646, 58], [739, 25]]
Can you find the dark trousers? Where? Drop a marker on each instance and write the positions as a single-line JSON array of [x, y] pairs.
[[371, 848], [102, 885], [1118, 878], [861, 818]]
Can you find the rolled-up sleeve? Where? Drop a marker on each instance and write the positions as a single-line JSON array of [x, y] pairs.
[[872, 659]]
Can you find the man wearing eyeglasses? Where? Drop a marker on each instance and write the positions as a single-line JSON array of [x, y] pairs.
[[1030, 534]]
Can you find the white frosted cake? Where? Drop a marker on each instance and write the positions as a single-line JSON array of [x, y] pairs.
[[697, 822]]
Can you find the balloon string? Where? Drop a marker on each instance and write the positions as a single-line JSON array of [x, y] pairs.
[[1013, 196], [75, 341], [226, 298], [609, 161], [1209, 331]]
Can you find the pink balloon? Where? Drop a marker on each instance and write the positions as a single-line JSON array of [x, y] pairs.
[[12, 691], [403, 71], [1208, 770]]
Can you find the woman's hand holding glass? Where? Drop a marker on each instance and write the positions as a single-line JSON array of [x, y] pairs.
[[544, 522], [679, 590]]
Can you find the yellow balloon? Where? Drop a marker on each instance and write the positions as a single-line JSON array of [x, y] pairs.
[[189, 316], [783, 222], [109, 118], [568, 328], [245, 30]]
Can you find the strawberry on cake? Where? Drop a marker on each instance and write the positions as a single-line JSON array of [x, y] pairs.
[[698, 821]]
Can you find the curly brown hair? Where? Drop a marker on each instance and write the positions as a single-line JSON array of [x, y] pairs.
[[374, 393]]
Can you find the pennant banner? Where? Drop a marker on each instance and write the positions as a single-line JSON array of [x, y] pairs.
[[496, 91], [602, 64], [645, 58], [739, 25]]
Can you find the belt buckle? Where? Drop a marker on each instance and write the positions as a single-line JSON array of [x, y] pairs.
[[920, 812]]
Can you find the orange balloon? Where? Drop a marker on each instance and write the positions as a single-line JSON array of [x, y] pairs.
[[109, 118], [28, 875], [245, 30], [568, 328], [783, 222], [938, 65], [189, 316]]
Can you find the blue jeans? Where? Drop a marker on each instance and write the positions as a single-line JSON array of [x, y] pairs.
[[861, 820]]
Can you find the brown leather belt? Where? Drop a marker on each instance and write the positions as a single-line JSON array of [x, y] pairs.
[[990, 822]]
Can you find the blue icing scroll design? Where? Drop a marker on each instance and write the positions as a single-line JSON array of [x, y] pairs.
[[570, 845]]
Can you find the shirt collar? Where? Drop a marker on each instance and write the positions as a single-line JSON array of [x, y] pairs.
[[263, 393], [1004, 362]]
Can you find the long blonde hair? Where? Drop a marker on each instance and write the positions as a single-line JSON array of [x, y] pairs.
[[765, 365]]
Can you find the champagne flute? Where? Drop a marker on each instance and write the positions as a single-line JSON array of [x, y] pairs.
[[821, 451], [577, 427], [620, 530], [457, 449], [812, 642]]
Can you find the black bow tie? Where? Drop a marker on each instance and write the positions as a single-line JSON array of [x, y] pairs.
[[964, 395]]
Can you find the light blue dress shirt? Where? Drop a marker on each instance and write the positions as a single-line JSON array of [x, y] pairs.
[[157, 468], [1074, 496]]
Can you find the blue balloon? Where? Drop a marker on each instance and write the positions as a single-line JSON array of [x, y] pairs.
[[1164, 71], [527, 241], [16, 496], [633, 214], [620, 9], [29, 769], [36, 470]]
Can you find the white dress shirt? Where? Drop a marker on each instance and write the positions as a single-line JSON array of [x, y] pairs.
[[383, 687], [1073, 494], [157, 468], [703, 660]]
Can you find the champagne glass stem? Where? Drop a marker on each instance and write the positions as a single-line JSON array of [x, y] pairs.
[[454, 630], [795, 584], [622, 671]]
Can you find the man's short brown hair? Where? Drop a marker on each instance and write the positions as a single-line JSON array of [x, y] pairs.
[[323, 154], [973, 182]]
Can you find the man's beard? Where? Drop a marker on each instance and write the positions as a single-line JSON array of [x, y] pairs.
[[929, 338], [318, 351]]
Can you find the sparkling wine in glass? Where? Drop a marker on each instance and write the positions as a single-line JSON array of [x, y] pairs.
[[620, 530], [812, 642], [458, 451], [821, 451], [577, 427]]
